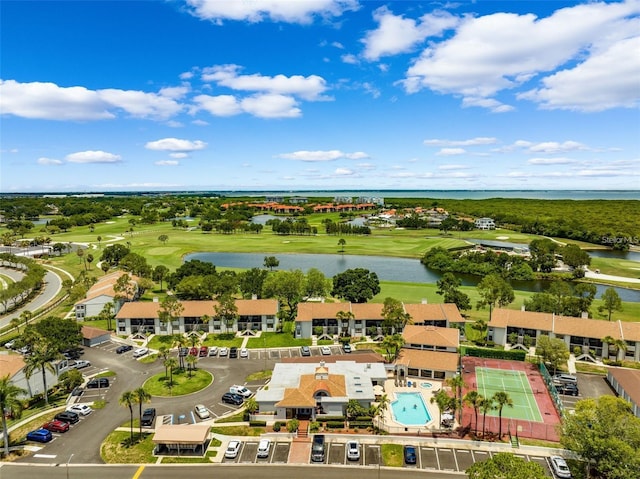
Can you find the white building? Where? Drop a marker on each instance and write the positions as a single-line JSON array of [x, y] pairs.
[[485, 224], [101, 293]]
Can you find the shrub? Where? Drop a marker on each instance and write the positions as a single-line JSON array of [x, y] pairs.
[[292, 426], [257, 423], [277, 426], [314, 427], [335, 424]]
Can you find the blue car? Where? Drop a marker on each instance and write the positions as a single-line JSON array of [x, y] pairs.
[[410, 454], [40, 435]]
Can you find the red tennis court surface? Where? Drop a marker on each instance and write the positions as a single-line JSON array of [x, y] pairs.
[[547, 429]]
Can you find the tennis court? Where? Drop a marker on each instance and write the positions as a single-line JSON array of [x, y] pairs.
[[516, 385]]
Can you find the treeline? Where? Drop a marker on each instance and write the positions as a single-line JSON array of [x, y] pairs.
[[610, 222], [478, 263], [18, 292]]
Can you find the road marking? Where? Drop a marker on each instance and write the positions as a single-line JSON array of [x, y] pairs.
[[138, 472], [45, 456]]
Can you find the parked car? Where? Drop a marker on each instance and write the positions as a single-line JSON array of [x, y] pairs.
[[305, 351], [410, 455], [231, 398], [568, 388], [40, 435], [138, 353], [204, 351], [96, 383], [244, 353], [224, 351], [263, 448], [233, 352], [317, 448], [213, 350], [148, 416], [240, 391], [232, 450], [346, 347], [81, 409], [124, 348], [564, 378], [56, 426], [67, 416], [193, 351], [325, 350], [353, 451], [183, 352], [77, 391], [560, 468], [82, 363], [201, 411], [10, 344]]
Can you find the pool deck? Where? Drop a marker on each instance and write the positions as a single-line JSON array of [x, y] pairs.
[[391, 389]]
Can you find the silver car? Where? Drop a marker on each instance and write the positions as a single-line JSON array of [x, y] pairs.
[[560, 468]]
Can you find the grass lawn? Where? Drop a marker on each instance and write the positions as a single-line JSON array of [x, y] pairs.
[[276, 340], [158, 385], [118, 449], [238, 417], [260, 375], [392, 455], [238, 430], [212, 340]]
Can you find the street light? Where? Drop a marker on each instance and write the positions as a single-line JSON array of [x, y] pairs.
[[68, 461]]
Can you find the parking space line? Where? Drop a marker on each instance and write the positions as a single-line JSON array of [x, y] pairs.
[[438, 458], [455, 458]]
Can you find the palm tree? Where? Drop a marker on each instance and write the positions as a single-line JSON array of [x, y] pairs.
[[443, 400], [474, 399], [26, 316], [383, 405], [251, 405], [392, 346], [486, 405], [457, 384], [127, 399], [343, 318], [170, 364], [191, 362], [141, 396], [9, 402], [41, 357], [341, 243], [502, 399], [15, 323]]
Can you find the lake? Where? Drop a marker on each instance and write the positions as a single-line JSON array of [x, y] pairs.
[[387, 268]]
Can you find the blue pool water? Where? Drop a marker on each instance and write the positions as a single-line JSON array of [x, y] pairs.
[[409, 409]]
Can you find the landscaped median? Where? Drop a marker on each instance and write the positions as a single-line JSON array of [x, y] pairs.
[[178, 383]]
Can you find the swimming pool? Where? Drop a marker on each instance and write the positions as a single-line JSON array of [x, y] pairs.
[[409, 409]]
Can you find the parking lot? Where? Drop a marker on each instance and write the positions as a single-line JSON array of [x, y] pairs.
[[278, 453]]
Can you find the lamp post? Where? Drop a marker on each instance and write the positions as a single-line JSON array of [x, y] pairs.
[[68, 461]]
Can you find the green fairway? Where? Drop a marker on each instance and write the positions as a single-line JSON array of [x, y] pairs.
[[516, 385]]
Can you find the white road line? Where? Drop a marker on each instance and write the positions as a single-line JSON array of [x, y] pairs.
[[45, 456]]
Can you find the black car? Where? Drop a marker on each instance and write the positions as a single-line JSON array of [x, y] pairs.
[[148, 416], [233, 352], [231, 398], [96, 383], [67, 416], [124, 348], [568, 388], [410, 455]]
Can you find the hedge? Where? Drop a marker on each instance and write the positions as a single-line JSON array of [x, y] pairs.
[[334, 425], [493, 353], [257, 423], [332, 418], [360, 424]]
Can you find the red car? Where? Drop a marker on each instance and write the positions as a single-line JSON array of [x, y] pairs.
[[204, 351], [56, 426], [193, 351]]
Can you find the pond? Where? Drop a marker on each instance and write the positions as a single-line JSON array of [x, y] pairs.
[[610, 253], [387, 268]]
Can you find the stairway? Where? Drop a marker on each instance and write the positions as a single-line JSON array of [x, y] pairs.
[[303, 430], [514, 441]]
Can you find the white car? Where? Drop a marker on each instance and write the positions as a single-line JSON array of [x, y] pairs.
[[560, 468], [353, 451], [213, 350], [325, 350], [201, 411], [224, 351], [81, 409], [138, 353], [81, 364], [240, 391], [232, 450], [244, 353], [263, 448]]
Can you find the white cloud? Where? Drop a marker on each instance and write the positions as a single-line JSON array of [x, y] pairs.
[[91, 156], [178, 155], [350, 59], [550, 161], [481, 140], [337, 45], [309, 88], [167, 163], [322, 155], [271, 106], [175, 144], [397, 34], [275, 10], [489, 103], [221, 105], [453, 167], [501, 51], [344, 172], [553, 147], [49, 161], [49, 101], [451, 151]]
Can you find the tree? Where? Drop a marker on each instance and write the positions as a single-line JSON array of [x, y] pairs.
[[271, 262], [574, 256], [25, 317], [356, 285], [99, 238], [616, 346], [41, 358], [251, 282], [501, 399], [9, 403], [380, 408], [395, 317], [354, 409], [124, 287], [191, 361], [141, 397], [114, 253], [457, 384], [443, 401], [392, 345], [342, 242], [486, 405], [343, 318], [89, 259], [316, 285], [474, 399], [127, 399], [170, 309], [553, 351], [163, 239], [59, 334], [159, 273], [504, 465], [605, 433], [170, 364], [448, 286], [494, 291], [610, 302], [226, 310], [251, 405], [104, 266], [288, 288], [70, 379], [80, 253]]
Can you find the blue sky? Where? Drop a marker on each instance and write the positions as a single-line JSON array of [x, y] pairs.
[[319, 94]]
